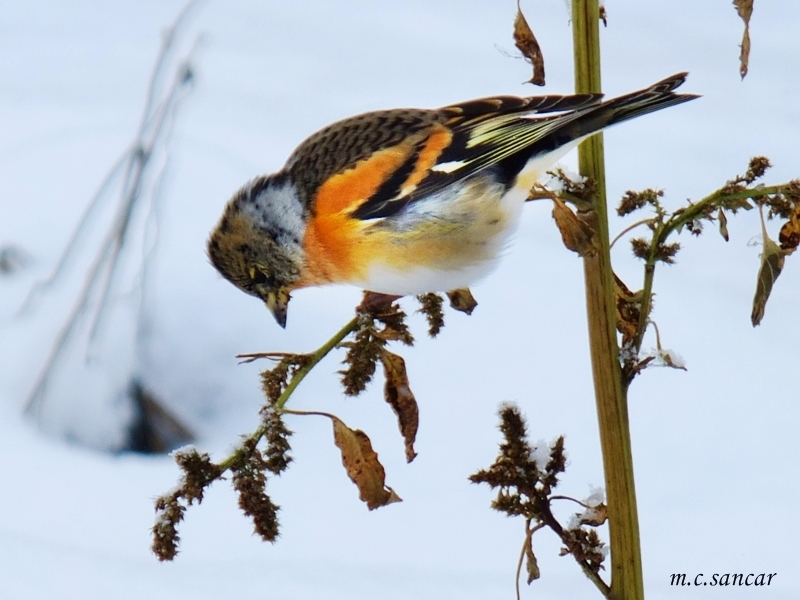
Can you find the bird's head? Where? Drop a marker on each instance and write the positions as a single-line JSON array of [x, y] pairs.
[[257, 244]]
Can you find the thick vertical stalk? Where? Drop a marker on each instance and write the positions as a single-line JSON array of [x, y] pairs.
[[612, 409]]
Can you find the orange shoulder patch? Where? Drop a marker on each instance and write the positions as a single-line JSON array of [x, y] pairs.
[[346, 191], [439, 139]]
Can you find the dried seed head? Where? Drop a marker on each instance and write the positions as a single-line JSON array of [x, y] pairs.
[[633, 201], [431, 307], [250, 481]]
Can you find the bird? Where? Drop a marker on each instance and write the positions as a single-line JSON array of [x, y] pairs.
[[407, 201]]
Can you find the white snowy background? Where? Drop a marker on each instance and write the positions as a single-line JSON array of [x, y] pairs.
[[716, 448]]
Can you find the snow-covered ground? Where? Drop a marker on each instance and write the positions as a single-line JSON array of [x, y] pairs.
[[716, 448]]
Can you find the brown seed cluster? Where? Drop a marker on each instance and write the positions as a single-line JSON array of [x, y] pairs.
[[525, 488], [633, 201], [431, 307], [375, 329], [250, 480], [198, 473]]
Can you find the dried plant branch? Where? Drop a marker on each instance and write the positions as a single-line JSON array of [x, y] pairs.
[[630, 228], [311, 361], [254, 356], [570, 498], [246, 462], [378, 320], [94, 204], [726, 197], [156, 124], [525, 488]]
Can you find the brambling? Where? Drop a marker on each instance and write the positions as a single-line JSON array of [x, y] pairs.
[[407, 201]]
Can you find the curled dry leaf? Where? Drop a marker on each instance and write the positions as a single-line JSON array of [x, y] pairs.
[[531, 564], [462, 300], [772, 260], [671, 359], [745, 10], [363, 468], [628, 312], [789, 236], [594, 516], [604, 15], [389, 334], [526, 42], [375, 302], [577, 235], [399, 396], [723, 225]]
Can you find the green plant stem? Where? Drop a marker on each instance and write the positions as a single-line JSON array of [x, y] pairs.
[[240, 454], [612, 410], [717, 199], [321, 353], [678, 220]]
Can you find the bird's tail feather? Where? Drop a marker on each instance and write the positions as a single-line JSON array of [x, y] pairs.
[[657, 96]]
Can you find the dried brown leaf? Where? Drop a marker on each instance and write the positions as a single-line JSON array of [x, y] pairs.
[[374, 302], [669, 358], [723, 225], [789, 236], [394, 325], [576, 234], [387, 334], [745, 10], [399, 396], [362, 465], [772, 259], [627, 311], [595, 516], [531, 564], [462, 300], [526, 42]]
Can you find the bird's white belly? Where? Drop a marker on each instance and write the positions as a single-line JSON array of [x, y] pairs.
[[457, 236], [449, 241], [421, 280]]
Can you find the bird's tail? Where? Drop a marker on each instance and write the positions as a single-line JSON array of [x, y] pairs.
[[657, 96]]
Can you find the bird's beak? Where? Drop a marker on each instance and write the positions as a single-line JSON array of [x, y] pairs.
[[278, 304]]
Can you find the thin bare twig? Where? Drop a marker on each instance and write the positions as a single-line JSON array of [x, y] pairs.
[[155, 127], [629, 228]]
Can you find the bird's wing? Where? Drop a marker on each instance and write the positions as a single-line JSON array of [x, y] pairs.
[[468, 138], [370, 165], [374, 165]]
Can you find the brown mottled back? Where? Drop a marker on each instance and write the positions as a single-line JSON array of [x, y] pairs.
[[343, 144]]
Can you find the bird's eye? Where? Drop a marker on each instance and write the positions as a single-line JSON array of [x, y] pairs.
[[258, 276]]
